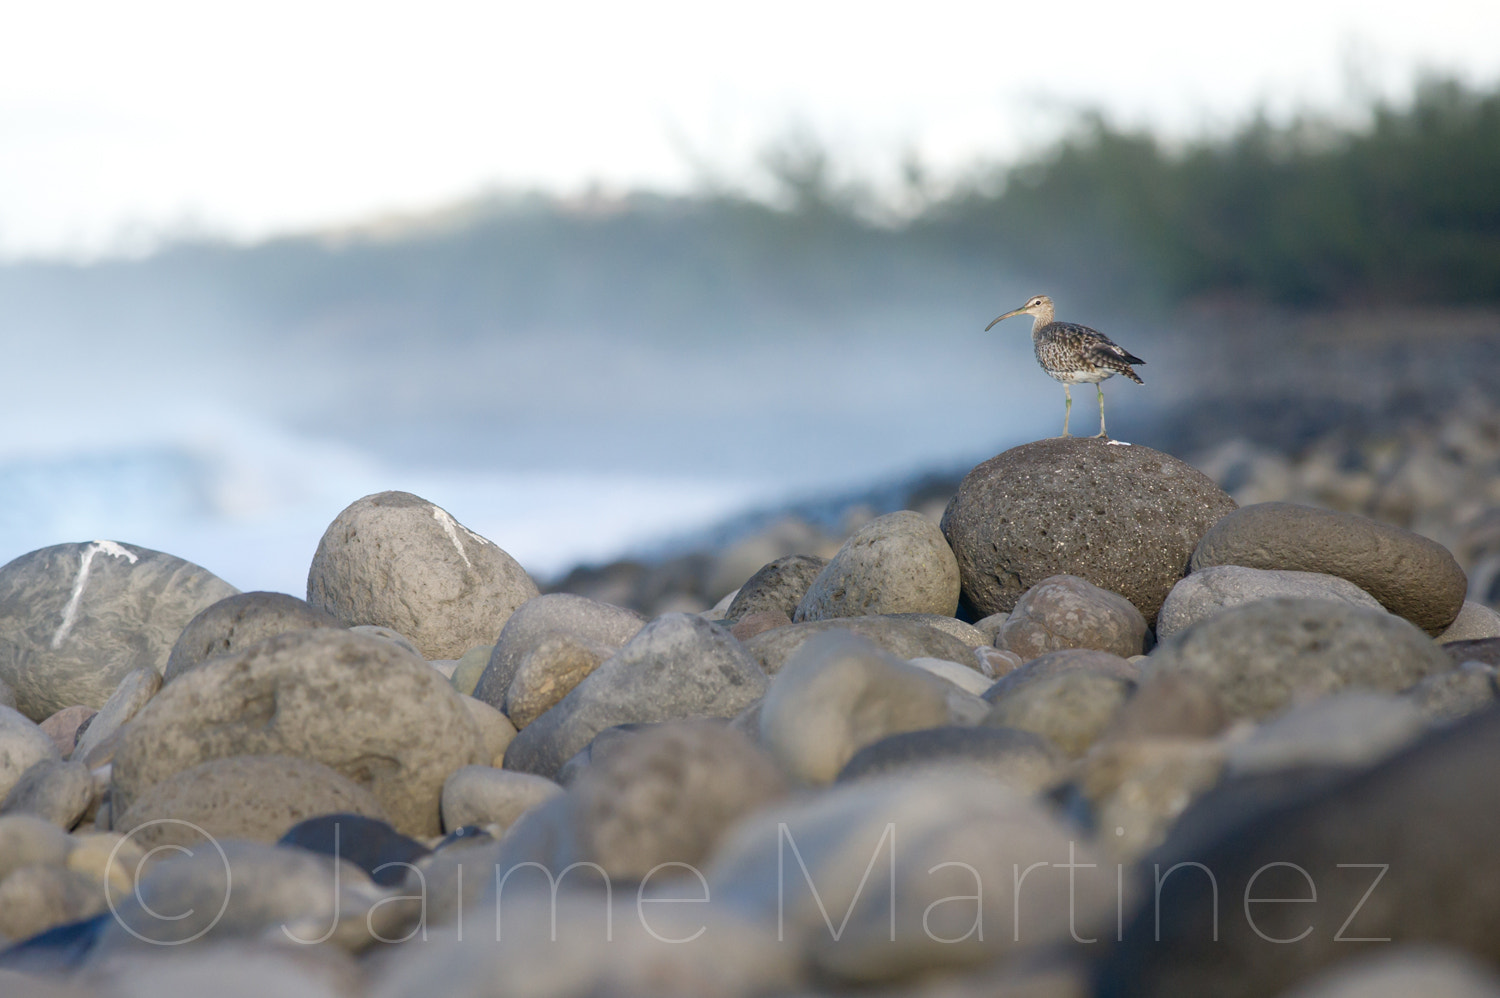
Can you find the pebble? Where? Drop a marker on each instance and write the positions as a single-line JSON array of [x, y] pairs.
[[897, 563], [759, 622], [1139, 787], [902, 637], [483, 795], [1445, 697], [75, 619], [965, 677], [542, 618], [22, 745], [1065, 611], [237, 622], [61, 792], [1411, 576], [777, 587], [397, 560], [470, 666], [1058, 663], [1125, 518], [35, 898], [1411, 969], [1474, 622], [1021, 760], [63, 727], [1354, 728], [549, 672], [1071, 710], [494, 727], [133, 693], [28, 840], [1209, 590]]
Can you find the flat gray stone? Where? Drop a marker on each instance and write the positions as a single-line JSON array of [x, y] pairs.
[[897, 563], [75, 619], [1411, 576], [397, 560], [239, 621], [1211, 589], [1473, 623]]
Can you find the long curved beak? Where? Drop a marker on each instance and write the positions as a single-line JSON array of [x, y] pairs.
[[1007, 315]]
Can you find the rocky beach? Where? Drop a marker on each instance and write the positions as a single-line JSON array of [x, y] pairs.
[[1087, 719]]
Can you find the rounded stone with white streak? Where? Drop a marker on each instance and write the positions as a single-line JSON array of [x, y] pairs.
[[397, 560], [75, 619]]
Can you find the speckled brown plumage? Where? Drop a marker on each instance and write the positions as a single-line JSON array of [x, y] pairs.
[[1074, 354]]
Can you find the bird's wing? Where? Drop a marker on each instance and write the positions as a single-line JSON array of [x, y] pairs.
[[1095, 342]]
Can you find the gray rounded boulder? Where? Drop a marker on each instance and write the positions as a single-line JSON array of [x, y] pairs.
[[397, 560], [544, 617], [373, 712], [76, 618], [897, 563], [240, 621], [1068, 612], [1125, 518], [777, 587], [1206, 592], [1411, 576], [1259, 657]]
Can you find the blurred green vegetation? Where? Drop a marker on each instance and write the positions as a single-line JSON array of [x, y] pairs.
[[1402, 209]]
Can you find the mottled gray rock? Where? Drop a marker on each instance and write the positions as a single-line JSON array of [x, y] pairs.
[[133, 693], [29, 840], [484, 795], [839, 693], [1058, 663], [237, 622], [1124, 518], [549, 672], [759, 622], [1260, 656], [1355, 728], [76, 618], [1426, 817], [990, 626], [997, 663], [965, 677], [1474, 622], [778, 587], [243, 797], [678, 666], [55, 790], [902, 637], [494, 727], [1021, 760], [897, 563], [1411, 576], [399, 561], [1169, 706], [959, 842], [63, 727], [967, 633], [1206, 592], [22, 745], [1429, 971], [1445, 697], [1065, 611], [1071, 710], [378, 715], [391, 635], [540, 619], [249, 890], [470, 667], [36, 898]]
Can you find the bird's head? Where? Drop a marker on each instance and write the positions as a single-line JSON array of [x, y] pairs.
[[1039, 306]]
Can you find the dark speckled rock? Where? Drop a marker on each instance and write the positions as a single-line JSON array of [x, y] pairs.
[[1124, 518], [779, 586]]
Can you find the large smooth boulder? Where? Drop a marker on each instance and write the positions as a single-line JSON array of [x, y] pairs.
[[1258, 657], [1211, 589], [397, 560], [1125, 518], [1410, 575], [1068, 612], [240, 621], [902, 636], [377, 714], [548, 616], [678, 666], [76, 618], [897, 563], [776, 588], [243, 797]]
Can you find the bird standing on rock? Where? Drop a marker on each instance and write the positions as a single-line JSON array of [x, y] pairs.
[[1074, 354]]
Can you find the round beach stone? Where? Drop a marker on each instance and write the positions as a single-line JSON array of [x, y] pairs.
[[1057, 663], [541, 618], [470, 667], [897, 563], [1124, 518], [901, 636], [399, 561], [1353, 728], [1065, 611], [22, 745], [777, 587], [965, 677], [243, 797], [967, 633], [36, 898], [76, 618], [1211, 589], [1021, 760], [494, 727], [549, 672], [377, 714], [1169, 706], [239, 621], [1258, 657], [62, 727], [484, 795], [839, 693], [1445, 697], [678, 666], [1139, 787], [1410, 575], [133, 693], [1070, 710], [55, 790], [1474, 622], [30, 840]]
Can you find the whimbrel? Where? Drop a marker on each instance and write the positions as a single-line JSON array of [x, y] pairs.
[[1074, 354]]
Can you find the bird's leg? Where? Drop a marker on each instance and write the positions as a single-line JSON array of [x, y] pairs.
[[1100, 388], [1067, 407]]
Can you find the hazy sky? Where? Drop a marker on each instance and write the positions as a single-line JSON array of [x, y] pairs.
[[118, 120]]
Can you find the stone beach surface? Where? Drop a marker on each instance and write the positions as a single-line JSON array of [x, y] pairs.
[[1070, 727]]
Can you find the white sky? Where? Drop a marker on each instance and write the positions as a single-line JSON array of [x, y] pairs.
[[119, 119]]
